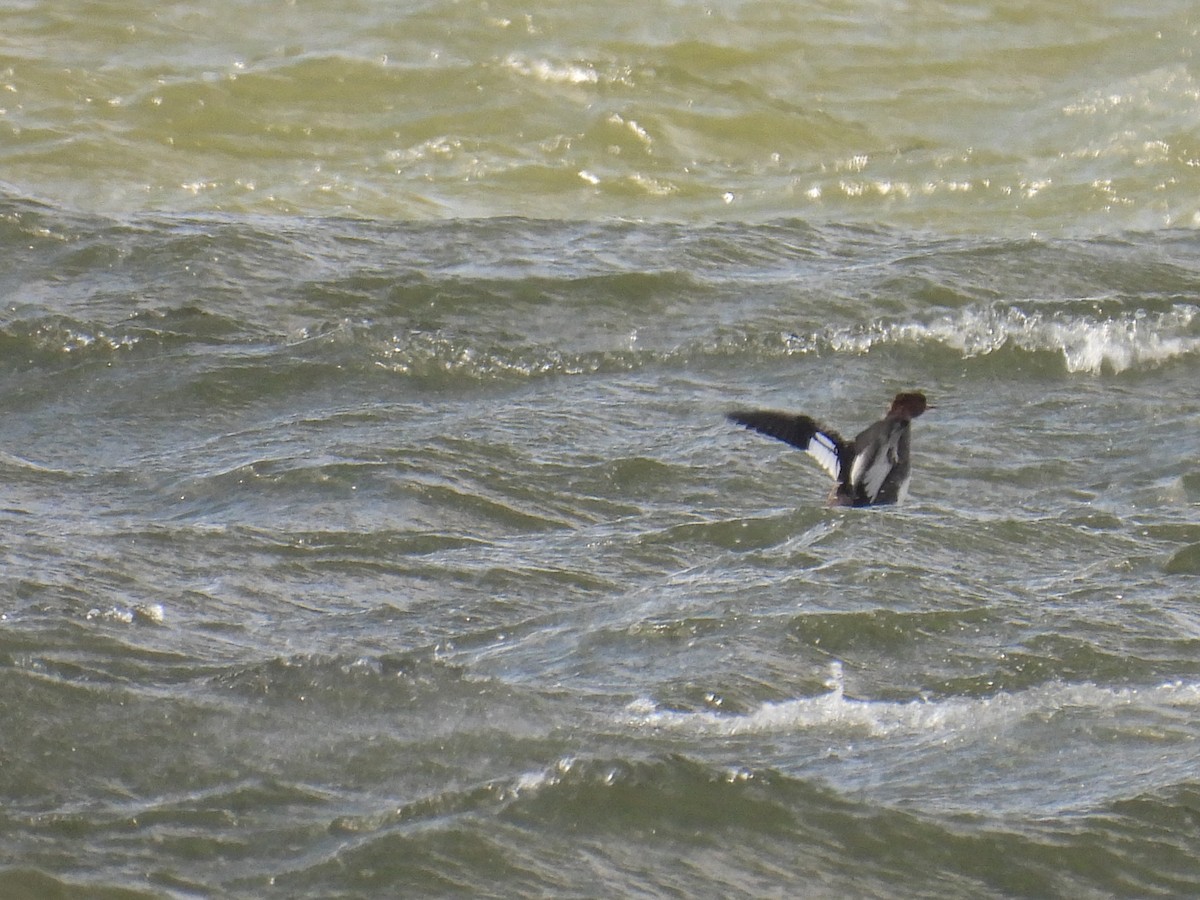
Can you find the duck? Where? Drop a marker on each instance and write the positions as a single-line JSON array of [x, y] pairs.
[[872, 470]]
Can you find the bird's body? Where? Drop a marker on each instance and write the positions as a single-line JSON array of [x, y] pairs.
[[871, 470]]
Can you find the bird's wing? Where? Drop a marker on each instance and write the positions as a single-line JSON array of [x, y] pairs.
[[823, 445], [872, 466]]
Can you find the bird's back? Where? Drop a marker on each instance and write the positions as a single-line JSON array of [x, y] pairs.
[[880, 470]]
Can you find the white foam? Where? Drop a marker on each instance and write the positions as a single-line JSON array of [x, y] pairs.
[[1087, 343], [149, 613], [937, 719], [553, 73], [535, 780]]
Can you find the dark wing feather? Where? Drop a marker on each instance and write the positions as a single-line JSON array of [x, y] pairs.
[[823, 445], [789, 428]]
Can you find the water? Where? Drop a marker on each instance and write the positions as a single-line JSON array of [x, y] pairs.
[[951, 116], [370, 522]]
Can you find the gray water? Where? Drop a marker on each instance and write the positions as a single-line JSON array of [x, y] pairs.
[[353, 559], [369, 521]]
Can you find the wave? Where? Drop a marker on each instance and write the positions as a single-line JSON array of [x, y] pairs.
[[518, 299], [26, 881], [1092, 345], [1087, 343], [932, 719], [670, 825]]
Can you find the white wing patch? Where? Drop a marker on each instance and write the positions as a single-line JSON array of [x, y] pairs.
[[823, 449]]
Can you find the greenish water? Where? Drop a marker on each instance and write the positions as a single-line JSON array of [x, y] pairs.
[[956, 117], [369, 523]]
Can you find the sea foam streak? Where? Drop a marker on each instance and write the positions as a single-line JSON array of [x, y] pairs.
[[939, 718]]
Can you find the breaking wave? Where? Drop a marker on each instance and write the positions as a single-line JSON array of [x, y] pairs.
[[1087, 343], [936, 718]]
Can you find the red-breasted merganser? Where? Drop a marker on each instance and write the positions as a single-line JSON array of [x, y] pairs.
[[871, 470]]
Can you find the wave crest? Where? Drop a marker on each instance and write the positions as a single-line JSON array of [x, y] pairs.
[[1088, 343], [934, 718]]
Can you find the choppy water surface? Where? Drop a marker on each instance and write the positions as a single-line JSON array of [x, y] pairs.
[[959, 116], [379, 532]]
